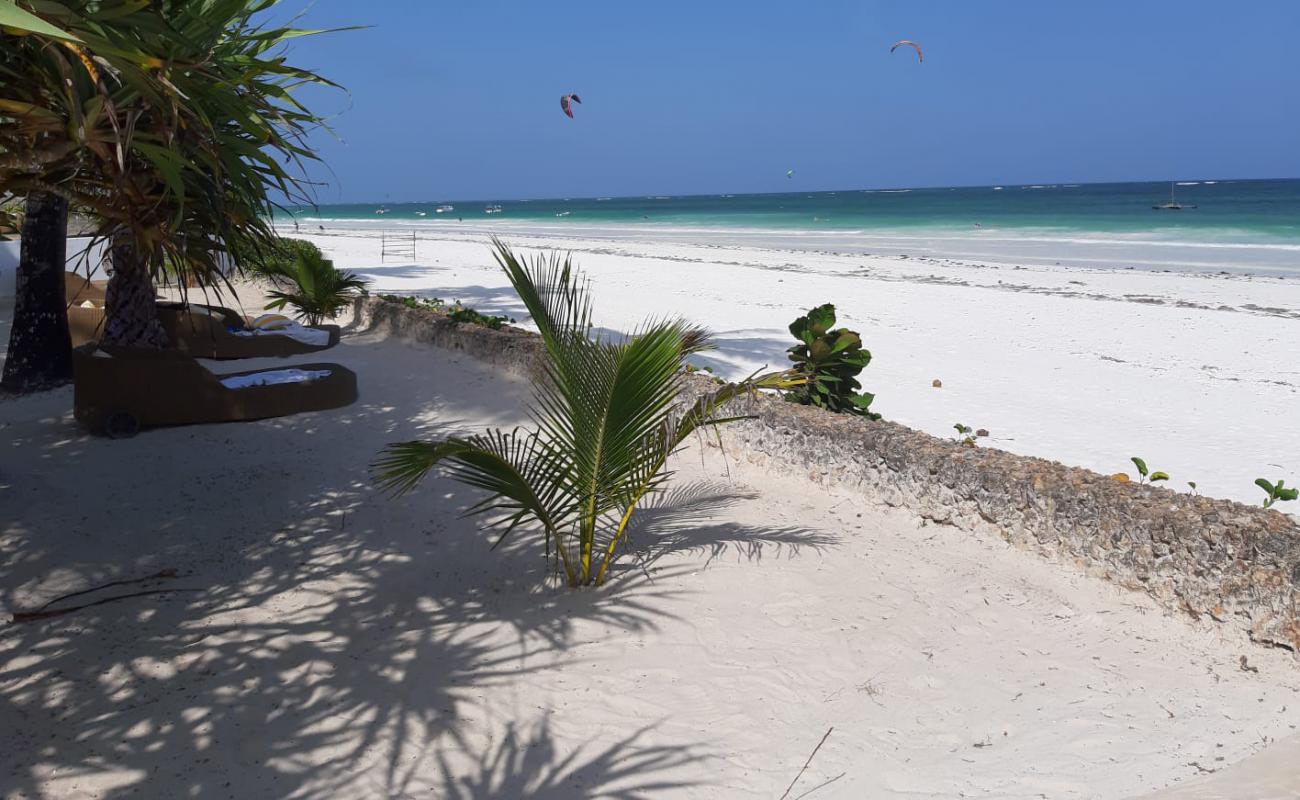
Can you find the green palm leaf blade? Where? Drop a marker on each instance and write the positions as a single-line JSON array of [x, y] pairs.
[[524, 479], [11, 16]]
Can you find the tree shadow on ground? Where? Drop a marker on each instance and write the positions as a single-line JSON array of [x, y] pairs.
[[533, 767], [738, 353], [685, 519], [319, 642]]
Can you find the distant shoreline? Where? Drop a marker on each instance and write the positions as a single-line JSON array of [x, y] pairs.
[[1003, 247], [1088, 366]]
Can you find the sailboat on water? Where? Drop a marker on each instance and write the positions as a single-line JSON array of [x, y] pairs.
[[1173, 204]]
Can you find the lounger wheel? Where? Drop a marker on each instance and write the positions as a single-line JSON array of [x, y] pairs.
[[121, 425]]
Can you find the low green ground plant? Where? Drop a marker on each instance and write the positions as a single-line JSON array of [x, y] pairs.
[[968, 436], [1146, 476], [456, 311], [1277, 492]]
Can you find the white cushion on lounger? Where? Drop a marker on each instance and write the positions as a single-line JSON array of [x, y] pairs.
[[299, 333], [272, 377]]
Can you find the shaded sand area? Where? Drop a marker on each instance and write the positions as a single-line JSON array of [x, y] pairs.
[[321, 641], [1084, 366]]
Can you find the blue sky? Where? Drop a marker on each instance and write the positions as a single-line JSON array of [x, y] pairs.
[[461, 100]]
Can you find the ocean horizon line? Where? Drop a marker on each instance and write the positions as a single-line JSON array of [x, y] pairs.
[[1042, 184]]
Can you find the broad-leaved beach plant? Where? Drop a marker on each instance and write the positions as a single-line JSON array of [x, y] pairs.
[[606, 418], [1277, 492], [829, 362], [1145, 476]]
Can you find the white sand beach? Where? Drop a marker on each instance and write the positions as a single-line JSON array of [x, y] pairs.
[[321, 640], [1194, 372]]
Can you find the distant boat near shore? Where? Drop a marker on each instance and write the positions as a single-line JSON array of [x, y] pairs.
[[1173, 204], [444, 209], [492, 210]]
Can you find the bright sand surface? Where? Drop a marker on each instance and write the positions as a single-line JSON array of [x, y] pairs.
[[322, 641], [1196, 373]]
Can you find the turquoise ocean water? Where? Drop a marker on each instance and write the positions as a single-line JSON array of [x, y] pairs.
[[1241, 225]]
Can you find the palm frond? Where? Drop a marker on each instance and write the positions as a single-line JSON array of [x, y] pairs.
[[522, 476]]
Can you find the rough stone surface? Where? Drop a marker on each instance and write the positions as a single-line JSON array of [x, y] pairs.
[[512, 350], [1211, 558]]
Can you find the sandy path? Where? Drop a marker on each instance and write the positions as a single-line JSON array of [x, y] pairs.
[[1084, 366], [325, 642]]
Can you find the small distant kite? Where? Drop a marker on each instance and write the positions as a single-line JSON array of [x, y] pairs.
[[789, 173], [565, 104], [920, 57]]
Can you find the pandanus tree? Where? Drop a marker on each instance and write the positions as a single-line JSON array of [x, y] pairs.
[[174, 122], [608, 414]]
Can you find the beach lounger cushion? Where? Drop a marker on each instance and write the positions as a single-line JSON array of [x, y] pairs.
[[118, 390]]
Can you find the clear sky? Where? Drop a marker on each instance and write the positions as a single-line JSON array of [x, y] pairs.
[[461, 100]]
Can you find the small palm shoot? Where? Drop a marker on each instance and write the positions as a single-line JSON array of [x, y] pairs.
[[317, 290], [1277, 492], [606, 419], [1145, 476]]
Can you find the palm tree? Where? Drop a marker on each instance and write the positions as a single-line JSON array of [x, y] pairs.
[[607, 415], [40, 347], [319, 291], [174, 122]]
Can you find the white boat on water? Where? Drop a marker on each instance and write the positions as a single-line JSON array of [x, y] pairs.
[[445, 209], [563, 213], [492, 210], [419, 213], [1173, 204]]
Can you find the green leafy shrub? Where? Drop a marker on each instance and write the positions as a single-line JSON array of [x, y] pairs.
[[459, 313], [1144, 475], [1277, 492], [829, 362], [456, 312], [317, 291], [275, 262], [607, 419]]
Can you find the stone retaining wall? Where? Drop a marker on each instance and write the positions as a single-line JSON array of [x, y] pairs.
[[1212, 558]]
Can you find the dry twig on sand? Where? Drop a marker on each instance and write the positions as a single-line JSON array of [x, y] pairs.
[[45, 612], [804, 768]]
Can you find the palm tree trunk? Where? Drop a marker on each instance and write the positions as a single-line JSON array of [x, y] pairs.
[[130, 309], [40, 349]]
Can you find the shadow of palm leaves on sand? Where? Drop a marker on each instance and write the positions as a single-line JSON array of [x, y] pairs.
[[682, 520], [317, 642], [351, 683], [325, 649], [532, 767]]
